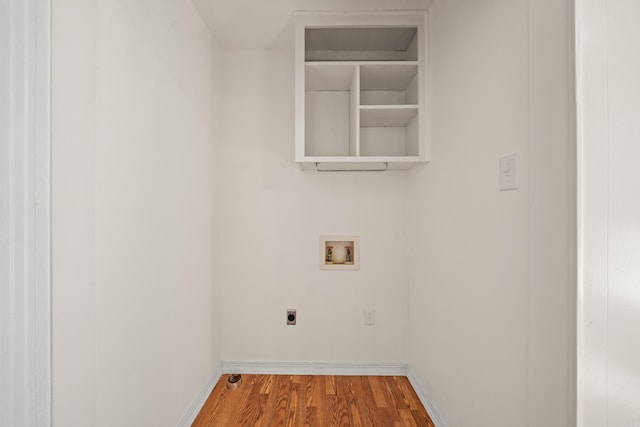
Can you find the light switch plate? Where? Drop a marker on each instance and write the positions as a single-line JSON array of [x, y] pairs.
[[509, 172]]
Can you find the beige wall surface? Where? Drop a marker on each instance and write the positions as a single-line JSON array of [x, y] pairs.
[[491, 273], [273, 215], [136, 108], [73, 212]]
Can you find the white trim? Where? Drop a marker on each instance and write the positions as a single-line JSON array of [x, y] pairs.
[[314, 368], [426, 399], [592, 211], [360, 12], [199, 401], [25, 214]]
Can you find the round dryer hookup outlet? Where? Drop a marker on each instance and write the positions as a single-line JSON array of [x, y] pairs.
[[291, 317]]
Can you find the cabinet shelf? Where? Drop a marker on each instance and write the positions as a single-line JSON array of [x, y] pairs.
[[387, 115], [388, 75], [360, 91]]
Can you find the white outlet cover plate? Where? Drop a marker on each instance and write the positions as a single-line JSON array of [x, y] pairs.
[[509, 172], [369, 317]]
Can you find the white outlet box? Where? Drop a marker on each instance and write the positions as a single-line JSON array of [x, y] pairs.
[[369, 317], [509, 172]]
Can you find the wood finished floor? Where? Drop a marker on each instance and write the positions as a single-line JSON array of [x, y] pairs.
[[322, 401]]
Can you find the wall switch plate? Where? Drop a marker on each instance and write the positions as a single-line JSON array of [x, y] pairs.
[[369, 317], [509, 172], [291, 316]]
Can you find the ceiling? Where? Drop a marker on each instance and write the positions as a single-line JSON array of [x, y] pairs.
[[266, 24]]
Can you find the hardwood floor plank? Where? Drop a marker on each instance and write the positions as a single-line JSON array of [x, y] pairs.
[[344, 387], [422, 417], [407, 418], [345, 390], [319, 417], [310, 396], [354, 413], [386, 417], [282, 402], [332, 416], [292, 409], [394, 396], [314, 401], [378, 391], [408, 392], [270, 400], [310, 417], [364, 403], [267, 383], [343, 418], [330, 384], [242, 394], [252, 411]]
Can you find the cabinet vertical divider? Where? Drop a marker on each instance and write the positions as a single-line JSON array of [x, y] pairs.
[[354, 121], [299, 103]]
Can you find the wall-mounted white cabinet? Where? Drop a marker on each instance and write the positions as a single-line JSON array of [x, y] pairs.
[[361, 96]]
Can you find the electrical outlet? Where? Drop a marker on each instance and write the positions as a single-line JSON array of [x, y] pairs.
[[369, 317], [291, 317], [509, 172]]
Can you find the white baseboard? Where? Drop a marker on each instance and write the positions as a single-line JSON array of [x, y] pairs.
[[201, 398], [426, 399], [313, 368]]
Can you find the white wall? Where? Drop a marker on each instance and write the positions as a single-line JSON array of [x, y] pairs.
[[490, 272], [73, 212], [135, 220], [609, 211], [272, 215]]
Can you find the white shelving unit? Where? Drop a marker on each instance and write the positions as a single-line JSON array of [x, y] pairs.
[[361, 91]]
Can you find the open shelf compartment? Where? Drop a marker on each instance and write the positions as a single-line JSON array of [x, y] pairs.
[[379, 43], [331, 109], [389, 83]]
